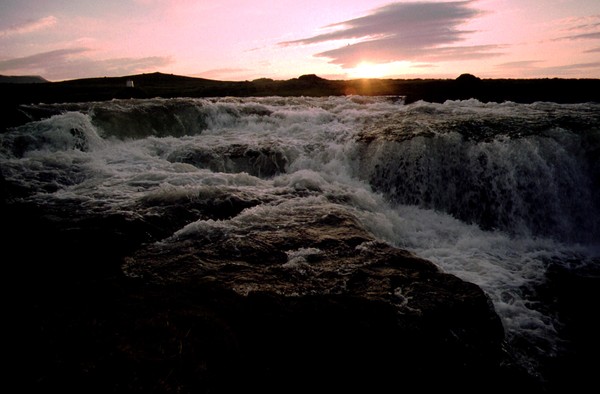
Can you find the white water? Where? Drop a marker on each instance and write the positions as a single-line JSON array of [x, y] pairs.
[[117, 155]]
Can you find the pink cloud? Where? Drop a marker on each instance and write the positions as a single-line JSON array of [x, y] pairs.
[[519, 64], [587, 28], [403, 31], [73, 63], [29, 26]]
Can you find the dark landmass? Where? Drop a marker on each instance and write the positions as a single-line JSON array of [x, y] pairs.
[[232, 313], [152, 85], [22, 79]]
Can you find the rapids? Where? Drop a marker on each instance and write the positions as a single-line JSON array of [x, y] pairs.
[[496, 194]]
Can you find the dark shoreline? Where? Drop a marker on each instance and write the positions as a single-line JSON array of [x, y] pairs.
[[155, 85]]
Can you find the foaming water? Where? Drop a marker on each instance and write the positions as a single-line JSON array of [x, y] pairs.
[[493, 193], [509, 269], [525, 173]]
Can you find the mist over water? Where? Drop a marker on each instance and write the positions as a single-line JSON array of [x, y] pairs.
[[493, 193]]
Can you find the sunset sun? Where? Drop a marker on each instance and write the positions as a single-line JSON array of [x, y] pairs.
[[368, 70]]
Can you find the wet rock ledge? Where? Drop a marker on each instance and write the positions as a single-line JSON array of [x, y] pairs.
[[313, 304]]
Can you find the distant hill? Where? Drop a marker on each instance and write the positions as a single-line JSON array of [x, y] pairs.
[[22, 79]]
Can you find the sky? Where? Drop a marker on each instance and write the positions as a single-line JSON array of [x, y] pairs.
[[280, 39]]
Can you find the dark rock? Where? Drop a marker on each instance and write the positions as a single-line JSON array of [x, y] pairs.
[[303, 299], [320, 305], [571, 295], [262, 162]]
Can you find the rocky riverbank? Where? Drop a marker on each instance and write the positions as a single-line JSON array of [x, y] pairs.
[[115, 304]]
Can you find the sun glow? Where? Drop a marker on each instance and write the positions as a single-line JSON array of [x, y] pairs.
[[368, 70]]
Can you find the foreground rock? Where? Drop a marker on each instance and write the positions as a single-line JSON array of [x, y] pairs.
[[318, 303], [161, 297]]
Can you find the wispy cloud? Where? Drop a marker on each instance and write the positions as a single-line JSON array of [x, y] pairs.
[[72, 63], [40, 60], [583, 36], [571, 70], [578, 66], [593, 50], [415, 31], [587, 28], [519, 64], [29, 26], [565, 70], [423, 65], [221, 72], [537, 68], [461, 52]]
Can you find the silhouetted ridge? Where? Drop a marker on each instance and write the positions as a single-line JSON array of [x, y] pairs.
[[468, 78], [22, 79], [311, 78]]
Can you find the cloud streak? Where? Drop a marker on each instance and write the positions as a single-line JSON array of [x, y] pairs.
[[72, 63], [29, 26], [221, 72], [534, 68], [403, 31], [590, 30], [583, 36], [40, 60], [572, 69], [519, 64]]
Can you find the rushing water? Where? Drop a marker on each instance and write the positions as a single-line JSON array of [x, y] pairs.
[[496, 194]]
